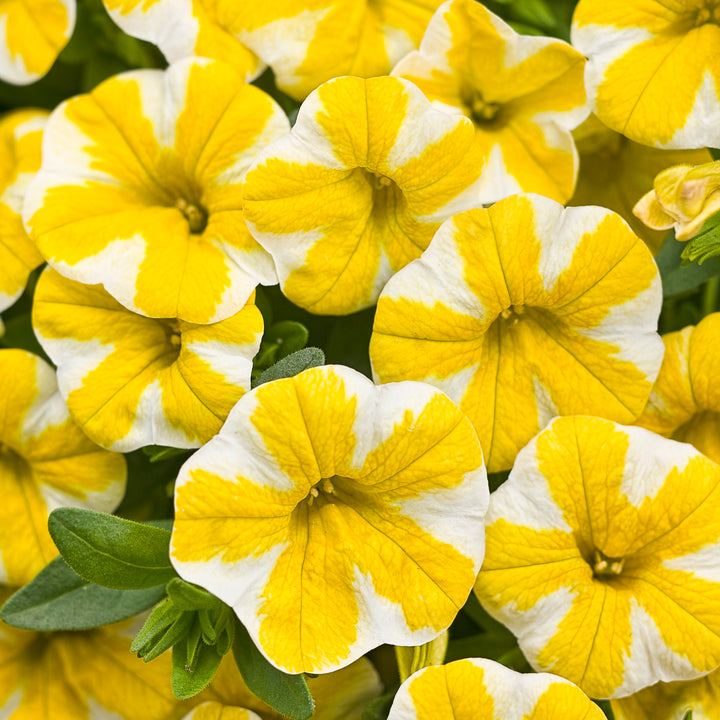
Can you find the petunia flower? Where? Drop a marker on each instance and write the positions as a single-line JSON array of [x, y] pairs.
[[130, 380], [616, 172], [476, 688], [202, 28], [683, 197], [84, 675], [309, 42], [334, 516], [654, 69], [685, 400], [522, 312], [602, 552], [32, 34], [140, 189], [20, 137], [523, 93], [46, 462], [357, 189]]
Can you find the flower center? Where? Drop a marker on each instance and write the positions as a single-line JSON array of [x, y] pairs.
[[173, 333], [604, 566], [321, 489], [12, 462], [513, 314], [709, 12], [195, 214], [480, 110]]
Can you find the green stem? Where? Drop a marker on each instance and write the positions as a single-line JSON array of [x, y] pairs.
[[710, 295]]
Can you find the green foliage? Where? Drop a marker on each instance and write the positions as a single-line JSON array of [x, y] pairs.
[[606, 707], [677, 274], [188, 680], [112, 551], [706, 244], [379, 708], [59, 599], [292, 365], [280, 340], [288, 694], [158, 453]]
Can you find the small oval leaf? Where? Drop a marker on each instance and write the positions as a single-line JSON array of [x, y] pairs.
[[292, 365]]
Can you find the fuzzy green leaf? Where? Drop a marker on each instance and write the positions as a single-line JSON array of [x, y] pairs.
[[292, 365], [185, 682]]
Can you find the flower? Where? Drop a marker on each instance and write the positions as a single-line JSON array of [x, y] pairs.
[[196, 28], [357, 189], [130, 380], [602, 549], [334, 516], [139, 190], [32, 34], [522, 312], [20, 136], [616, 172], [211, 710], [523, 93], [307, 43], [683, 197], [477, 688], [685, 402], [653, 69], [46, 461]]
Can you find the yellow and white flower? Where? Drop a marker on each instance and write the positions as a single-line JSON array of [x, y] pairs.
[[32, 34], [685, 400], [130, 380], [523, 93], [201, 28], [140, 189], [334, 515], [46, 462], [602, 556], [654, 69], [20, 138], [309, 42], [357, 189], [522, 312], [476, 688]]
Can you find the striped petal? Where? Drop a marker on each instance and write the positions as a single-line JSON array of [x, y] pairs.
[[334, 516], [523, 312]]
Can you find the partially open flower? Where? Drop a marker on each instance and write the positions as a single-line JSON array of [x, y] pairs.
[[20, 137], [357, 189], [476, 688], [522, 312], [602, 556], [139, 189], [46, 461], [334, 515], [683, 197], [523, 93], [654, 68], [32, 34], [130, 380], [685, 400]]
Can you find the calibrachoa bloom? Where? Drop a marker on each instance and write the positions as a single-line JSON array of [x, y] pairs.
[[523, 93], [46, 461], [130, 380], [654, 68], [683, 197], [32, 34], [475, 689], [334, 515], [616, 172], [309, 42], [602, 552], [522, 312], [20, 137], [82, 676], [357, 189], [685, 400], [140, 189], [204, 28]]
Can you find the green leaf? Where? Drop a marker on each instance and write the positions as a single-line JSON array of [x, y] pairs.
[[488, 645], [161, 618], [378, 708], [177, 632], [288, 335], [185, 682], [157, 453], [714, 153], [112, 551], [706, 244], [288, 694], [191, 597], [606, 707], [292, 365], [59, 599], [678, 277]]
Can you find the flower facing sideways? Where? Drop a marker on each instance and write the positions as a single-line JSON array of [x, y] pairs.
[[130, 380], [475, 689], [602, 555], [334, 515], [140, 189]]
